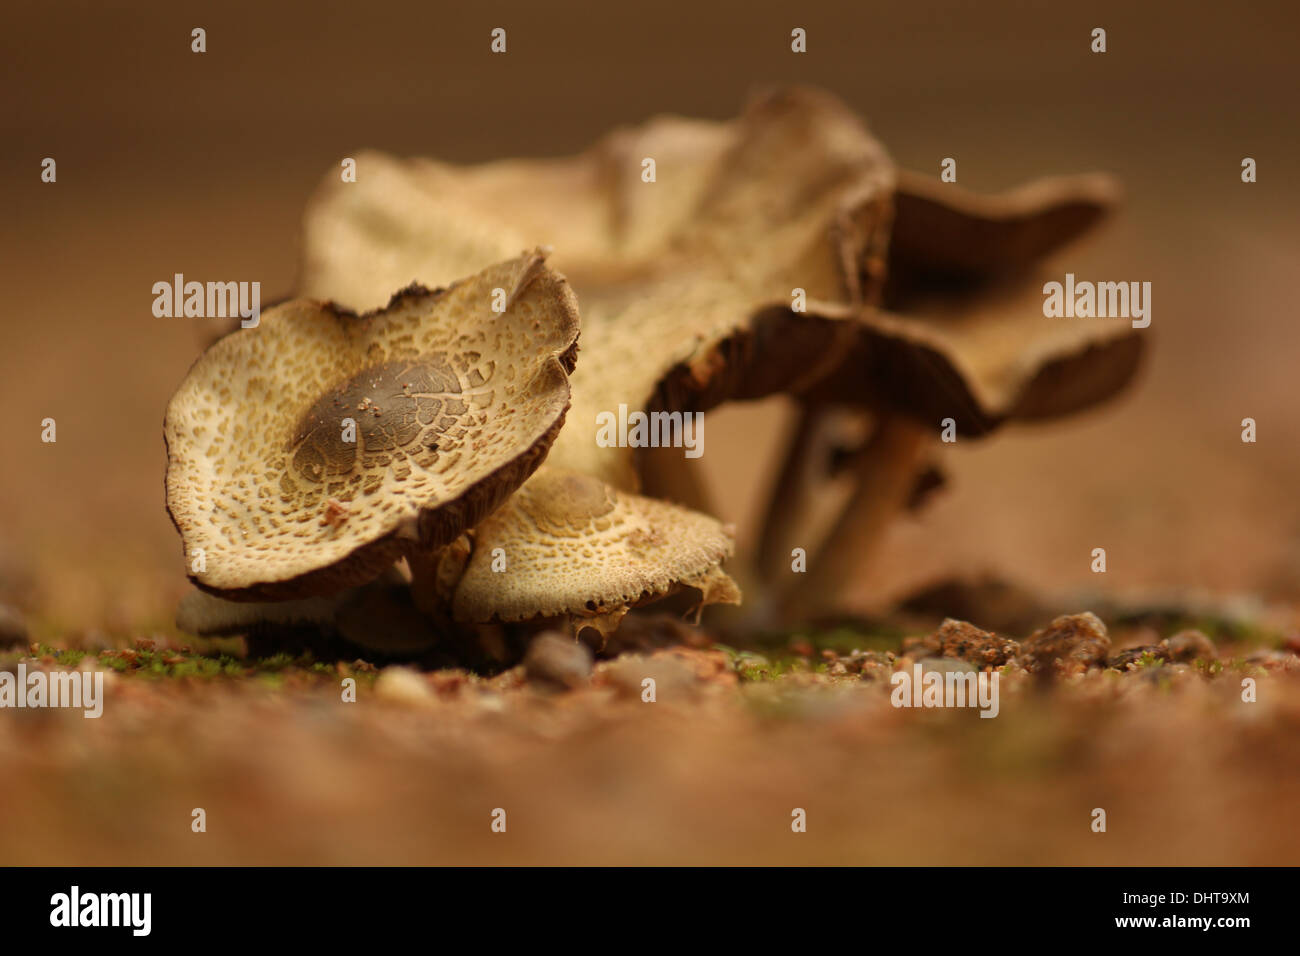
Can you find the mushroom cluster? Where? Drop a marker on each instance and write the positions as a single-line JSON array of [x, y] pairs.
[[778, 253]]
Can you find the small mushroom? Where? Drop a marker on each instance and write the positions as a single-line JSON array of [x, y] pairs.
[[308, 454], [568, 545]]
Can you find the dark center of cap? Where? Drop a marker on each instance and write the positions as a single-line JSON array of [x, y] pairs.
[[378, 412]]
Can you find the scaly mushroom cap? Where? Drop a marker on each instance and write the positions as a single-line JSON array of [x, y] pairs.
[[686, 282], [454, 406], [686, 274], [574, 545]]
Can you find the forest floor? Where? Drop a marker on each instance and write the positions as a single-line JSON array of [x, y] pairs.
[[792, 751]]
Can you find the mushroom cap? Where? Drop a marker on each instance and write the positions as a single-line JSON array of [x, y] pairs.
[[575, 545], [962, 332], [984, 361], [686, 282], [454, 406], [946, 234], [673, 275]]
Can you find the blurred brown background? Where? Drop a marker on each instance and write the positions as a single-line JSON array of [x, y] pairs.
[[170, 161]]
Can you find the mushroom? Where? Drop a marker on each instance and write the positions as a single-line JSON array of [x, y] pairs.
[[945, 235], [576, 548], [308, 454], [694, 285], [685, 282], [962, 337], [688, 278]]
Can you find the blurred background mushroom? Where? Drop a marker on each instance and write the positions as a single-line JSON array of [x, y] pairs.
[[960, 345]]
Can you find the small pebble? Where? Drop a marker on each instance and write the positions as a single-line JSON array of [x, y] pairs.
[[1071, 643], [1134, 655], [403, 685], [557, 662], [1190, 646], [966, 641]]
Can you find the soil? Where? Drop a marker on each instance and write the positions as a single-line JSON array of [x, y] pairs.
[[588, 771]]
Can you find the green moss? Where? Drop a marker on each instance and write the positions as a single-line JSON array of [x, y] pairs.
[[62, 655], [751, 667], [147, 661]]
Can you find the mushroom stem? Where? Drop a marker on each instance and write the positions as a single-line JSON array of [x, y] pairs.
[[790, 500], [434, 576], [886, 471], [424, 581]]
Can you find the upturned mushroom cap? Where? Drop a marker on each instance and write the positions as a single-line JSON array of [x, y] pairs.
[[961, 332], [454, 406], [686, 282], [983, 361], [691, 275], [944, 233], [576, 546]]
